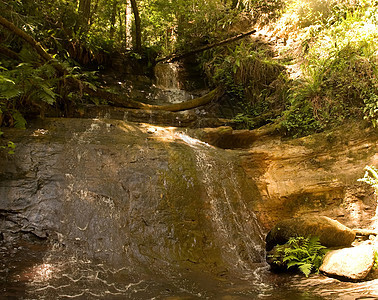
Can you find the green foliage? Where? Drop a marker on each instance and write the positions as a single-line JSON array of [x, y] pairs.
[[340, 70], [10, 146], [23, 86], [245, 121], [371, 177], [249, 75], [371, 109], [306, 254], [299, 120]]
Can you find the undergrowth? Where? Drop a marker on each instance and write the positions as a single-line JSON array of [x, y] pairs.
[[337, 48], [250, 76], [371, 178], [339, 69], [375, 266]]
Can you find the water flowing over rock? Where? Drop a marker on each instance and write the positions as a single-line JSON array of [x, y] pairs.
[[127, 195], [107, 209], [171, 84]]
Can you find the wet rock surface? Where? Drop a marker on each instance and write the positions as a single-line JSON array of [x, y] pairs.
[[109, 190], [106, 209]]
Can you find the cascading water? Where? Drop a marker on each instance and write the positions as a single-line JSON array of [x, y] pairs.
[[168, 84], [127, 203], [167, 76], [236, 224]]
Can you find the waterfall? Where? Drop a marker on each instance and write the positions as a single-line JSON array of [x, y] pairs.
[[235, 222], [169, 87], [129, 210], [167, 76]]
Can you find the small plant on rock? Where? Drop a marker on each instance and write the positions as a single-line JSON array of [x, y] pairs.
[[306, 254], [375, 266], [371, 177]]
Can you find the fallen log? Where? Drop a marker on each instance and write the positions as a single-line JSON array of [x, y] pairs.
[[119, 101], [115, 99]]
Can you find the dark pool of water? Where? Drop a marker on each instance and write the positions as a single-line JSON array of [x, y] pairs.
[[38, 271]]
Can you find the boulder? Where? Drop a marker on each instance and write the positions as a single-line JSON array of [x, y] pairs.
[[331, 233], [352, 263]]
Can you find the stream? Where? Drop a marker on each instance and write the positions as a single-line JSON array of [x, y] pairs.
[[32, 271]]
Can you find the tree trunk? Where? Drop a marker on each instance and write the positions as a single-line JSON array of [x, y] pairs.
[[113, 19], [85, 12], [138, 30], [32, 42], [128, 22]]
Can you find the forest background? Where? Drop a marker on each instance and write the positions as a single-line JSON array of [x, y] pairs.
[[315, 68]]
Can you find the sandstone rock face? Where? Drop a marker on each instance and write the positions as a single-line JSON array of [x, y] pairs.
[[349, 263], [330, 232], [314, 175]]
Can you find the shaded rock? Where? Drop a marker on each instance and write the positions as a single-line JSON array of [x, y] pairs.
[[365, 232], [330, 232], [350, 263]]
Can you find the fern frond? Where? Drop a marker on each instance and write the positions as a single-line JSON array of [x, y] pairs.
[[304, 253], [5, 80], [19, 121], [305, 269], [293, 264], [9, 92]]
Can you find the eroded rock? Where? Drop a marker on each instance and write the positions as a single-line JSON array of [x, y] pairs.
[[314, 175], [330, 232]]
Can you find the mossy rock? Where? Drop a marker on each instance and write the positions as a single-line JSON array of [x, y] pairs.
[[331, 233]]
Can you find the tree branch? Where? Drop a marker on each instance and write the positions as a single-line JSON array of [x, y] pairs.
[[175, 57]]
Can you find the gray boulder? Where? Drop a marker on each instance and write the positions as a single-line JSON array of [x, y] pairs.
[[352, 263], [330, 232]]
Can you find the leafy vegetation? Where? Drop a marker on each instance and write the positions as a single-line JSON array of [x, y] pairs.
[[305, 254], [334, 41], [253, 80], [10, 146], [339, 70]]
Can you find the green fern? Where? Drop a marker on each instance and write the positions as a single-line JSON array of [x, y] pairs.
[[305, 268], [305, 254], [375, 266], [19, 121]]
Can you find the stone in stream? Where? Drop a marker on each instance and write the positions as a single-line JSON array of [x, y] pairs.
[[330, 232], [352, 263]]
